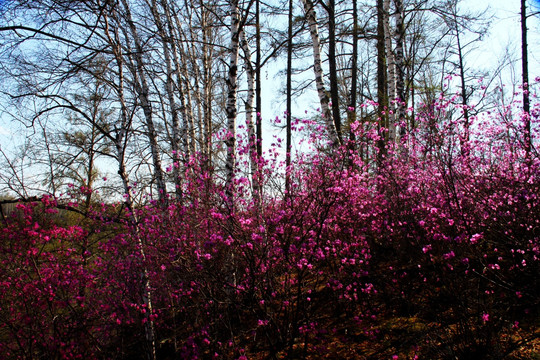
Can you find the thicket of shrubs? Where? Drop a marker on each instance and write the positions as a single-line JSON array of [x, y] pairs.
[[433, 253]]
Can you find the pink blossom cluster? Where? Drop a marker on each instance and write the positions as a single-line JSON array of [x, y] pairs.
[[430, 253]]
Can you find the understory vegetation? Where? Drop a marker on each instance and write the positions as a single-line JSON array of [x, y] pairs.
[[428, 251]]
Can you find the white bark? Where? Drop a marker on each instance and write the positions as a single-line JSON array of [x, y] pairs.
[[391, 65], [319, 77], [207, 52], [170, 89], [120, 147], [399, 61], [230, 140], [122, 130], [143, 93], [254, 158], [190, 55], [179, 60]]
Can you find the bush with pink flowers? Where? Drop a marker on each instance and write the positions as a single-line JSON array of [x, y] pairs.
[[431, 253]]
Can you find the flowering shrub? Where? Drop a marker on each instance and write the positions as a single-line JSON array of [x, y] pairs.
[[433, 253]]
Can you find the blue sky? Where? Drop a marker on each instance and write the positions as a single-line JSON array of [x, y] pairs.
[[505, 33]]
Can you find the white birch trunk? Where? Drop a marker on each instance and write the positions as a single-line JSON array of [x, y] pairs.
[[319, 77], [253, 156], [391, 65], [207, 95], [143, 93], [400, 71], [194, 56], [120, 147], [188, 130], [230, 140], [169, 85]]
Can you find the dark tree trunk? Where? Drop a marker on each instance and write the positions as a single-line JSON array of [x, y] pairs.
[[382, 92], [400, 71], [334, 96], [289, 95], [258, 104], [525, 78], [351, 111]]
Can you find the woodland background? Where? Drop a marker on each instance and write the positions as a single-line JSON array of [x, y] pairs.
[[142, 217]]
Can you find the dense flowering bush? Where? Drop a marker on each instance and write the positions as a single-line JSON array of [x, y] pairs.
[[433, 253]]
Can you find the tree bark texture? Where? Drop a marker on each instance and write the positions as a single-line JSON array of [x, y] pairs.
[[319, 76]]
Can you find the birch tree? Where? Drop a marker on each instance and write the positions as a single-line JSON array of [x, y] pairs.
[[382, 83], [167, 43], [250, 122], [120, 141], [400, 65], [137, 68], [288, 140], [324, 100], [391, 66], [525, 78], [332, 65], [351, 111], [258, 66], [230, 137]]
